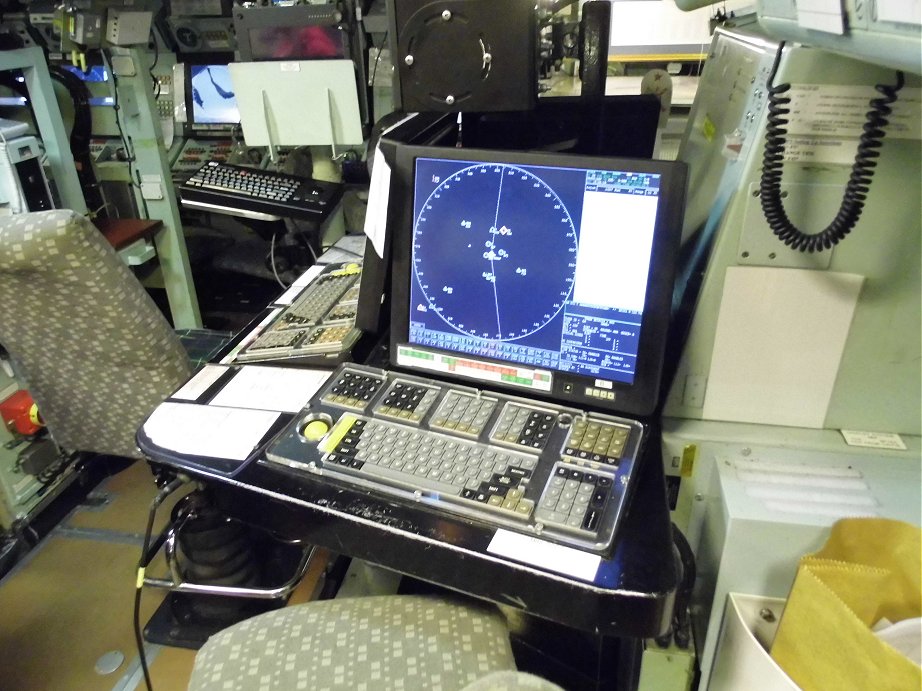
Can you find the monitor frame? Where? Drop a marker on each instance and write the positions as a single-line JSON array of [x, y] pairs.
[[282, 17], [639, 398], [205, 128]]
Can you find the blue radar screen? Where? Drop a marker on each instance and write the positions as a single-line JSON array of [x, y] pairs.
[[494, 251]]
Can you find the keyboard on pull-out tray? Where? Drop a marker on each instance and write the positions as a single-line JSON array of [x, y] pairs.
[[220, 186], [550, 471], [318, 322]]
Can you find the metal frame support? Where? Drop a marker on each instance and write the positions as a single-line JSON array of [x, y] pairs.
[[49, 121], [154, 190]]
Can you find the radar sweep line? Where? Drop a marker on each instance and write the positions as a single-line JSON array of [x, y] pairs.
[[499, 194]]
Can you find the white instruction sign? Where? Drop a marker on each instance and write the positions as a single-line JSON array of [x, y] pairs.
[[826, 121], [835, 110]]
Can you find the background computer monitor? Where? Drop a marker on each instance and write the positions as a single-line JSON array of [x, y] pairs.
[[211, 98], [544, 273], [295, 32]]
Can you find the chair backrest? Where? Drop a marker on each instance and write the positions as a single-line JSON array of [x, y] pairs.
[[96, 353]]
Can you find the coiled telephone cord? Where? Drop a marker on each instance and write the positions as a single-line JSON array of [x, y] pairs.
[[856, 189]]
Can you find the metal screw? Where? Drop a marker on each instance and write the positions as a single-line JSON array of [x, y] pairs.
[[408, 60], [767, 614], [699, 497], [449, 99], [772, 255], [745, 255], [446, 15], [755, 193]]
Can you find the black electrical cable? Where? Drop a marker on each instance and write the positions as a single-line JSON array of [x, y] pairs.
[[150, 70], [153, 39], [856, 189], [80, 135], [374, 69], [142, 565], [682, 622], [133, 176], [48, 475]]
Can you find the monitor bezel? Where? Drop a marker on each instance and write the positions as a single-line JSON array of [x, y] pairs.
[[257, 18], [204, 128], [639, 398]]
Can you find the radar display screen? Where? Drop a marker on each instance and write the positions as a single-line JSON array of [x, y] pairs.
[[534, 265], [535, 271]]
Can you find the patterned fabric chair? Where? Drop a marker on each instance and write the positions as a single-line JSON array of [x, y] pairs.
[[407, 642], [95, 351]]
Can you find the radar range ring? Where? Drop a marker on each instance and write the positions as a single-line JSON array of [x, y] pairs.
[[485, 271]]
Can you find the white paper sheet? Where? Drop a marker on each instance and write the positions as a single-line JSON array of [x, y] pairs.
[[349, 248], [289, 295], [200, 383], [779, 341], [376, 213], [270, 388], [308, 276], [547, 555], [205, 430], [378, 191]]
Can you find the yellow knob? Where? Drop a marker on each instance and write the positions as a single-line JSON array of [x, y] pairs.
[[315, 429]]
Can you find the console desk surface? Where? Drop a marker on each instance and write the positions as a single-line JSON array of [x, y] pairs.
[[631, 595]]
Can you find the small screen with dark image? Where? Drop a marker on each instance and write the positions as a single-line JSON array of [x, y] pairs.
[[297, 43]]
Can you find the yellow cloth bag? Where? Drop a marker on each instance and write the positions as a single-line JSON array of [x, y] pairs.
[[870, 568]]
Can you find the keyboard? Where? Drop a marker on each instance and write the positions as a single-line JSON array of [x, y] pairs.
[[549, 471], [259, 192], [318, 322]]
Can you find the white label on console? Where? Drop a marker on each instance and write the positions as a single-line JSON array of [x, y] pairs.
[[547, 555], [874, 440]]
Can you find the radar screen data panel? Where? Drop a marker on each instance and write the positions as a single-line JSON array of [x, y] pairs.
[[544, 273]]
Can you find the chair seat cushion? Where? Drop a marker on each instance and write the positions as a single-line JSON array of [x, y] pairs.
[[387, 642]]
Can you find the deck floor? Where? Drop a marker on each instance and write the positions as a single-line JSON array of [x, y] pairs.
[[69, 601]]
